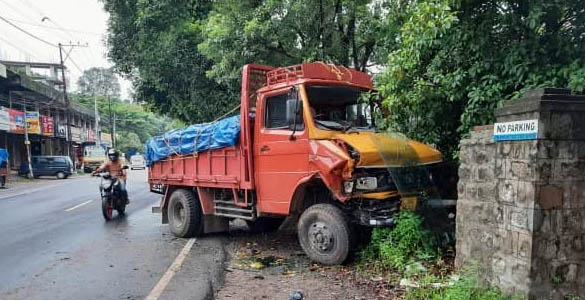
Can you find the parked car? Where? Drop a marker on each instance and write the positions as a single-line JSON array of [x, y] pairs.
[[137, 162], [59, 166]]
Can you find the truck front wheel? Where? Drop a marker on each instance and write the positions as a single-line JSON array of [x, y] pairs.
[[185, 216], [325, 234]]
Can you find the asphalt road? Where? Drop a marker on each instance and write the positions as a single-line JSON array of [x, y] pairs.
[[55, 244]]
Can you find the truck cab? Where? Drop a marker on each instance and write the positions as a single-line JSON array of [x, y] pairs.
[[308, 149], [93, 157]]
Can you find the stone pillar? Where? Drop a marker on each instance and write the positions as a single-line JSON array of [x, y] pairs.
[[521, 206]]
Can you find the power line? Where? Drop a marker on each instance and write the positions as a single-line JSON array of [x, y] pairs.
[[75, 64], [45, 17], [17, 47], [55, 28], [27, 33], [33, 21], [22, 14]]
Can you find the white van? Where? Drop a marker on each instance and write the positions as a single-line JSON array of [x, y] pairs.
[[137, 162]]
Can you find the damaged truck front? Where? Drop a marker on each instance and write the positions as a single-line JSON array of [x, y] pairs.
[[307, 148]]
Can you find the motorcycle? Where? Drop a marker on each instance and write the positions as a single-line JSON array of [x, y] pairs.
[[112, 197]]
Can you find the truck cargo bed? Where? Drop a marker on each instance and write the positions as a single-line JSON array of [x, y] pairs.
[[221, 168]]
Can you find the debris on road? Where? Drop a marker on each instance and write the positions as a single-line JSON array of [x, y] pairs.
[[296, 295], [269, 266]]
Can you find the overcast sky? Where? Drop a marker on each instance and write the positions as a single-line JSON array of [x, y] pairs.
[[56, 21]]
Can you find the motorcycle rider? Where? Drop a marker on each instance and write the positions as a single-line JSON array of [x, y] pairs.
[[116, 169]]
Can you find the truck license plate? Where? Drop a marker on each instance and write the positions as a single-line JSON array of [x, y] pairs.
[[157, 188]]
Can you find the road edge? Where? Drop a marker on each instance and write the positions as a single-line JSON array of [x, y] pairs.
[[217, 278]]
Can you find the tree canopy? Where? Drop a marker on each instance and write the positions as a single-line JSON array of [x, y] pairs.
[[134, 125], [442, 66], [99, 82], [280, 33], [457, 61], [154, 43]]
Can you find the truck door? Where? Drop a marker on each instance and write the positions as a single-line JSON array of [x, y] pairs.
[[280, 162]]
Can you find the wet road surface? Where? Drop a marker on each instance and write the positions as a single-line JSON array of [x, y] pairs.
[[55, 244]]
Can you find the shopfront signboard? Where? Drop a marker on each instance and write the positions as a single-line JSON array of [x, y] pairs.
[[5, 120], [61, 130], [33, 123], [47, 126], [76, 135], [16, 121]]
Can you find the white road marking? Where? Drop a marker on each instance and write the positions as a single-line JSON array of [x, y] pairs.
[[78, 205], [173, 269]]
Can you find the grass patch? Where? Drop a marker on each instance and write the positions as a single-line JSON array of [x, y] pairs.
[[466, 288], [408, 252], [405, 244]]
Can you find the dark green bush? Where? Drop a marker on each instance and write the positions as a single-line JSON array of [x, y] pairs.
[[406, 243]]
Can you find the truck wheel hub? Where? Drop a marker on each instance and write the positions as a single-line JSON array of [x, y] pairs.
[[320, 236], [179, 214]]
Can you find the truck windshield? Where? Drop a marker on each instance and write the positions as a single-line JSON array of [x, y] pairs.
[[95, 152], [339, 108]]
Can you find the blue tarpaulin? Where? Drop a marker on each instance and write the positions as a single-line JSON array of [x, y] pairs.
[[193, 139]]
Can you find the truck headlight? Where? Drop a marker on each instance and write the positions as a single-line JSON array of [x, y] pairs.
[[366, 183], [348, 186]]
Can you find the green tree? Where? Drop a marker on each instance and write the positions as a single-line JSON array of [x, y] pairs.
[[155, 44], [457, 60], [446, 64], [129, 141], [99, 82], [132, 121], [280, 33], [171, 48]]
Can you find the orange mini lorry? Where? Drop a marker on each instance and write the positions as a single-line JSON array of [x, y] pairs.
[[307, 148]]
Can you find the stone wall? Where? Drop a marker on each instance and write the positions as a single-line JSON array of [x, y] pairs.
[[521, 207]]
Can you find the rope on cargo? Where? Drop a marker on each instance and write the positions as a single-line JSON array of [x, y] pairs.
[[195, 153], [169, 145]]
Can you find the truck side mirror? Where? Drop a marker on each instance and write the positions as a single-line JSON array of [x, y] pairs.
[[294, 108]]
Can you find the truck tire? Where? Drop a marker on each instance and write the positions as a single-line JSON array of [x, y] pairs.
[[325, 234], [185, 215], [264, 224]]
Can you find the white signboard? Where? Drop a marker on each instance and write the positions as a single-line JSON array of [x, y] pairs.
[[5, 120], [517, 130], [3, 71]]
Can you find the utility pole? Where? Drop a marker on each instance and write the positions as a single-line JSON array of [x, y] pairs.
[[114, 132], [111, 121], [67, 104], [97, 122], [26, 141]]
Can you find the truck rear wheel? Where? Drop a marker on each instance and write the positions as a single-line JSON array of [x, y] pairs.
[[185, 216], [325, 234]]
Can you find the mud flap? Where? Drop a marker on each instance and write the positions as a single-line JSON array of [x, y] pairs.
[[213, 224]]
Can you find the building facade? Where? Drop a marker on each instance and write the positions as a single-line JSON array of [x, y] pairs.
[[36, 101]]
